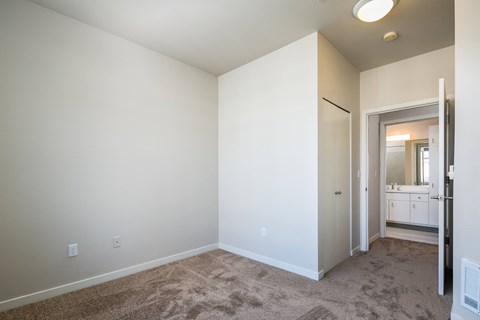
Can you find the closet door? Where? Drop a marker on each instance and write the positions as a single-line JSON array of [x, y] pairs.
[[343, 182], [334, 184]]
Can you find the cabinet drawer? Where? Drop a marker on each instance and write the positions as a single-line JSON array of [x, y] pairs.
[[398, 196], [419, 197]]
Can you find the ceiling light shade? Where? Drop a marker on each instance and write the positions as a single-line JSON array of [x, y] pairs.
[[373, 10]]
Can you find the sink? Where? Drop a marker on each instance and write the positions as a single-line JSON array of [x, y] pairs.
[[407, 189]]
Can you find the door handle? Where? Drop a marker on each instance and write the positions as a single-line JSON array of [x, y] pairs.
[[338, 192], [441, 198]]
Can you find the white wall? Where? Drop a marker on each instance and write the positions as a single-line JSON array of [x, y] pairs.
[[268, 157], [408, 80], [466, 224], [98, 137], [339, 82], [268, 151]]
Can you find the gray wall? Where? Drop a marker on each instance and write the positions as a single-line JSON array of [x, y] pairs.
[[373, 176], [98, 137], [466, 236]]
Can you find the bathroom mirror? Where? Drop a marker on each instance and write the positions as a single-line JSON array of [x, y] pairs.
[[407, 162]]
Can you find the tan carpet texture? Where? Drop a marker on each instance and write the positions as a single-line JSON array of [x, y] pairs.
[[396, 279]]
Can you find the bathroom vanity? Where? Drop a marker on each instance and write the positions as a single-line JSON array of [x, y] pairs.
[[410, 205]]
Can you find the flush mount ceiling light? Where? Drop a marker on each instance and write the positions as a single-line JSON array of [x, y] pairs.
[[373, 10]]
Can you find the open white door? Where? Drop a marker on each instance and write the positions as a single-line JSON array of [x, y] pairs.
[[442, 105]]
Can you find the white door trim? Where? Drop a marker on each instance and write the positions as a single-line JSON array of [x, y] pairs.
[[351, 187], [364, 239]]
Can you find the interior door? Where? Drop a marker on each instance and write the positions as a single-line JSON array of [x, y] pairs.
[[442, 105], [334, 183]]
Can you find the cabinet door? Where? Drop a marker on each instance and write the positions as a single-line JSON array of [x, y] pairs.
[[419, 212], [334, 159], [433, 213], [399, 211]]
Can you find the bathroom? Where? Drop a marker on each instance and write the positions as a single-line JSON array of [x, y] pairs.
[[403, 174], [411, 179]]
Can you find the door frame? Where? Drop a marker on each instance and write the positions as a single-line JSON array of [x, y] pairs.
[[350, 200], [364, 238]]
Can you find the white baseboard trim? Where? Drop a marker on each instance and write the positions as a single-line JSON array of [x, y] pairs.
[[354, 250], [273, 262], [430, 239], [373, 238], [73, 286], [454, 316]]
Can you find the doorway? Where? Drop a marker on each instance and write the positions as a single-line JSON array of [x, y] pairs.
[[408, 166], [445, 187]]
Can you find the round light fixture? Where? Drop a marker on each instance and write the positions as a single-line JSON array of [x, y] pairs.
[[373, 10]]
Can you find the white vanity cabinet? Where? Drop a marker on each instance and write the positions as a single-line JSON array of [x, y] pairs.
[[410, 208], [419, 208], [398, 207]]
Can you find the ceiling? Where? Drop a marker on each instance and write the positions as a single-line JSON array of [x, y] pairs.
[[220, 35]]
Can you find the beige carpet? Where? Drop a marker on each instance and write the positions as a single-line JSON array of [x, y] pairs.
[[396, 279]]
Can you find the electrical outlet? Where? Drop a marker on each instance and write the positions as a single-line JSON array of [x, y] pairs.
[[73, 250], [263, 232], [117, 242]]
